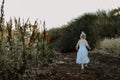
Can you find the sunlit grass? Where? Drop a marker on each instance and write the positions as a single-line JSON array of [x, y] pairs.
[[111, 45]]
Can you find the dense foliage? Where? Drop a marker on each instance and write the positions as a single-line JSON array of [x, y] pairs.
[[97, 26]]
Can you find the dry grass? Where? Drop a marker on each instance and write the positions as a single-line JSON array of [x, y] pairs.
[[111, 45]]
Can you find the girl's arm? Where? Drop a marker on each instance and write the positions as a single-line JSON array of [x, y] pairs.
[[87, 44], [77, 45]]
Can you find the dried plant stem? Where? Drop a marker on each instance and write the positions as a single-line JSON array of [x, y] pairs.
[[38, 49], [1, 25], [44, 37], [23, 30]]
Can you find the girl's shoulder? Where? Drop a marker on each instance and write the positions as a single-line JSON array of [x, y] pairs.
[[83, 40]]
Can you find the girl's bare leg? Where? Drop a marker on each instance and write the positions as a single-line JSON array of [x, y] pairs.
[[86, 65], [82, 66]]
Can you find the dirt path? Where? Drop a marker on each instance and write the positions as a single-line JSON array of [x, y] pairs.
[[101, 67]]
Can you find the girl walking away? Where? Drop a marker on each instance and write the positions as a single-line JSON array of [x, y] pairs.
[[82, 53]]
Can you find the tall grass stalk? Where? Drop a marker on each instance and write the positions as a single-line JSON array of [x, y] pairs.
[[23, 31], [1, 25]]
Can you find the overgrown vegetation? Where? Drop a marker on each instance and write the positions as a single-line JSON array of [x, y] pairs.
[[111, 46], [97, 26], [22, 50], [23, 46]]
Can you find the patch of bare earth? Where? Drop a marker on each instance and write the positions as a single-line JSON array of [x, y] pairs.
[[101, 67]]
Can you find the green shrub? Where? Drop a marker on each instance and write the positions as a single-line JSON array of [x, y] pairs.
[[97, 26]]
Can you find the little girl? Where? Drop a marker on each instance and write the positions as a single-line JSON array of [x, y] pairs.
[[82, 54]]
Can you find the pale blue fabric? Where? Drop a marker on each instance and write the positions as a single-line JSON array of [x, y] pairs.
[[82, 54]]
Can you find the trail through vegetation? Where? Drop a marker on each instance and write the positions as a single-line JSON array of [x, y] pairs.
[[101, 67], [63, 67]]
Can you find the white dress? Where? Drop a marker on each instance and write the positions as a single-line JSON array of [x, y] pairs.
[[82, 54]]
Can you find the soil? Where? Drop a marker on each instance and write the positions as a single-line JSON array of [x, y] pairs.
[[101, 67]]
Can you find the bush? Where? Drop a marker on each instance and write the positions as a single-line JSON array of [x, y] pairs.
[[72, 31], [19, 49], [97, 26], [111, 45]]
